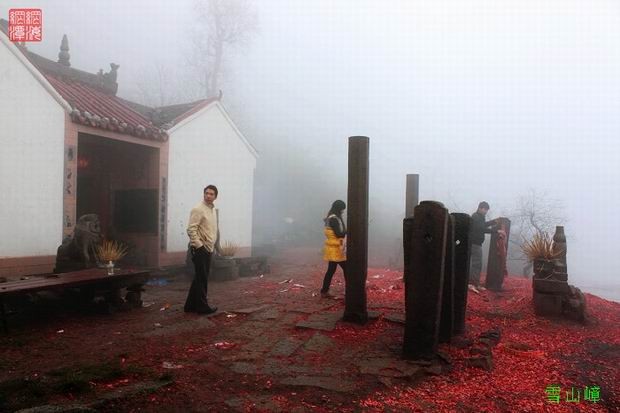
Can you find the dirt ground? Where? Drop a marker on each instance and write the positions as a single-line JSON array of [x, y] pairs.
[[276, 345]]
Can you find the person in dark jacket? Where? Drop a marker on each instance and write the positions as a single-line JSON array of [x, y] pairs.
[[334, 250], [479, 227]]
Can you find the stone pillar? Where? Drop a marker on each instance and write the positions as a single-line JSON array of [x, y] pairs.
[[496, 266], [424, 242], [357, 231], [412, 194], [559, 247], [462, 251], [446, 325]]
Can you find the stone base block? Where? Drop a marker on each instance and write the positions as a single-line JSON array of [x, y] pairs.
[[551, 286], [549, 305], [224, 270]]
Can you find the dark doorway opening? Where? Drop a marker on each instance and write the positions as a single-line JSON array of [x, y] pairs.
[[119, 181]]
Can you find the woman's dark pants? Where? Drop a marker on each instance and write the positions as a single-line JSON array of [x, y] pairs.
[[331, 269]]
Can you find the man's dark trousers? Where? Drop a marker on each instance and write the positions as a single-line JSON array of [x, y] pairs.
[[197, 296]]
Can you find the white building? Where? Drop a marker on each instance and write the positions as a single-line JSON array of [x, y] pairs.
[[70, 146]]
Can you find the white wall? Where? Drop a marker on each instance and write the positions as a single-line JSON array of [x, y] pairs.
[[32, 128], [207, 150]]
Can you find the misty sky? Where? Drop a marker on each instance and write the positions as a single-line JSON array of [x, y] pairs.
[[484, 99]]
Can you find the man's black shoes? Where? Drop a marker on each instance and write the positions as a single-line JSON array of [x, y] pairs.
[[208, 310]]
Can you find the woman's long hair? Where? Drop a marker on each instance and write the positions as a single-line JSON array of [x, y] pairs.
[[336, 209]]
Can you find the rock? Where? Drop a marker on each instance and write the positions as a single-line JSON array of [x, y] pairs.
[[491, 337], [483, 350], [483, 362], [574, 305]]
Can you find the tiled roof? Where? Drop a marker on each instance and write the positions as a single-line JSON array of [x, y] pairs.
[[168, 116], [95, 108], [93, 98]]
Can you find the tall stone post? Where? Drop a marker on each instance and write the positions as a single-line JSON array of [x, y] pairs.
[[559, 248], [498, 254], [462, 251], [412, 194], [424, 243], [446, 325], [357, 235]]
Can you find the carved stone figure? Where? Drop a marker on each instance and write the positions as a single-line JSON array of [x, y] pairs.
[[77, 251]]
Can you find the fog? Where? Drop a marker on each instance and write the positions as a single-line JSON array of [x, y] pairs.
[[486, 100]]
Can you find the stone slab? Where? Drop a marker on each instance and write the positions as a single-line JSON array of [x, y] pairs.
[[318, 343], [244, 368], [268, 314], [286, 347], [171, 328], [328, 383], [311, 308], [387, 367], [320, 321], [250, 310]]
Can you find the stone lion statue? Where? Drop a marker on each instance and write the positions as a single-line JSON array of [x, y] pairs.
[[77, 251]]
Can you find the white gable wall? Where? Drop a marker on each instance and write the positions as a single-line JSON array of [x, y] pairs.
[[31, 162], [208, 150]]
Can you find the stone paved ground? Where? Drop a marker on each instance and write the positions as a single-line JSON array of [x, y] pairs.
[[274, 345], [271, 334]]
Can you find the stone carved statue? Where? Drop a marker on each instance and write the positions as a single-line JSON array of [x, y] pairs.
[[77, 251]]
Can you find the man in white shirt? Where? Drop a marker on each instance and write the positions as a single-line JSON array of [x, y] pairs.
[[204, 241]]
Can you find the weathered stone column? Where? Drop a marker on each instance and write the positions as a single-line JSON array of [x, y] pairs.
[[412, 194], [424, 242], [559, 247], [446, 325], [357, 235], [462, 251], [496, 264]]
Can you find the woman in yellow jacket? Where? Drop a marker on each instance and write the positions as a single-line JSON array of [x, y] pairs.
[[334, 251]]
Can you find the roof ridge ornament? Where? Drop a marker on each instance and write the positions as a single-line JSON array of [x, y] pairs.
[[107, 81], [63, 55]]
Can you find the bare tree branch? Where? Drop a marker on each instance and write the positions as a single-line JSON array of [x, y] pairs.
[[535, 213], [221, 26]]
